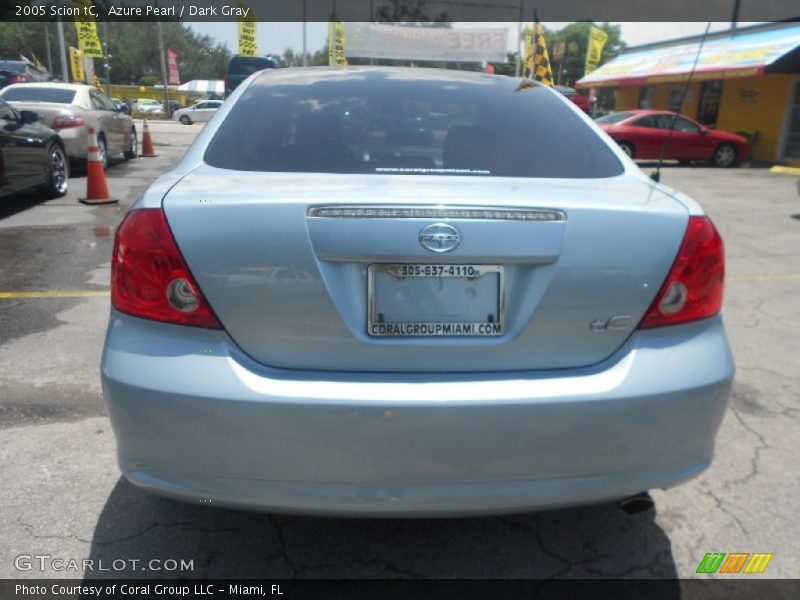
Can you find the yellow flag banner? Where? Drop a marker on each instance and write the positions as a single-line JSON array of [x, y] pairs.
[[594, 51], [248, 46], [86, 27], [336, 56], [76, 64], [542, 72], [527, 63]]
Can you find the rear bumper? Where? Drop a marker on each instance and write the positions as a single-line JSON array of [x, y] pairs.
[[76, 141], [197, 420]]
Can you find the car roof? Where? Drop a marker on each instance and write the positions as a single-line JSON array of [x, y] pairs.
[[50, 84]]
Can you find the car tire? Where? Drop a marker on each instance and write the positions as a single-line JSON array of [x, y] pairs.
[[133, 151], [185, 120], [57, 173], [627, 148], [725, 156]]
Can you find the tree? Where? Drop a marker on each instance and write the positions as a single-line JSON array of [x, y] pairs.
[[133, 47], [576, 38]]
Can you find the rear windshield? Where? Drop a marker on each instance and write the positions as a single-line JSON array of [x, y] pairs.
[[38, 94], [411, 121], [12, 66], [614, 117]]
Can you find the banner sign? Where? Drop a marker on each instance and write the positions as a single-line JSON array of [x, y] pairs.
[[594, 50], [336, 37], [248, 46], [371, 40], [744, 54], [76, 64], [527, 52], [172, 68], [88, 41]]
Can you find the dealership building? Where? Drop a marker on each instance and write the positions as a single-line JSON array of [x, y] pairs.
[[745, 81]]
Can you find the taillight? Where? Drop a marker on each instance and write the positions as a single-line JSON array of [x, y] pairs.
[[18, 79], [65, 122], [150, 279], [693, 288]]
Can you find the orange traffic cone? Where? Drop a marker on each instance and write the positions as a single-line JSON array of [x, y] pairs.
[[147, 141], [96, 186]]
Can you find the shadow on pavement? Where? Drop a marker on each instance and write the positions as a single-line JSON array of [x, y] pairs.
[[591, 542], [18, 202]]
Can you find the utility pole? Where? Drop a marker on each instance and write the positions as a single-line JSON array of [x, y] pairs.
[[518, 65], [63, 50], [47, 46], [735, 17], [164, 79], [106, 59], [305, 51]]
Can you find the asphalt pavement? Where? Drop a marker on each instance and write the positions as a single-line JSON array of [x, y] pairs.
[[62, 494]]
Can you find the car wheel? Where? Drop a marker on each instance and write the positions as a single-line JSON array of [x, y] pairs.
[[725, 156], [57, 173], [133, 151], [627, 148], [101, 143], [185, 120]]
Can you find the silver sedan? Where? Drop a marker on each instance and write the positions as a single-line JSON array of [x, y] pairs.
[[197, 113], [71, 109], [322, 309]]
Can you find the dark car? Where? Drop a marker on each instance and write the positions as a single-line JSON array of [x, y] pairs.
[[121, 106], [20, 71], [643, 133], [241, 67], [31, 155]]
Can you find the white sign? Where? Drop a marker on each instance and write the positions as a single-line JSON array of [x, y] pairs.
[[368, 40]]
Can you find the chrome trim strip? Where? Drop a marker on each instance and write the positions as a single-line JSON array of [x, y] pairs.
[[386, 211]]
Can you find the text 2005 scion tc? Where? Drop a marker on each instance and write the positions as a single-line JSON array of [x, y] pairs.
[[374, 291]]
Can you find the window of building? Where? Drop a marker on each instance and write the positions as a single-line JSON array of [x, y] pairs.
[[674, 97], [646, 96], [710, 96]]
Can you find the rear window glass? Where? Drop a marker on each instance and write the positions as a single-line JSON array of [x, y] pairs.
[[12, 66], [38, 94], [614, 117], [411, 121]]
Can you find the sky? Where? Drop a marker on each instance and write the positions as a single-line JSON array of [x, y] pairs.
[[273, 38]]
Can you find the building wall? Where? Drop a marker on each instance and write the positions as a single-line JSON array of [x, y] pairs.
[[756, 105]]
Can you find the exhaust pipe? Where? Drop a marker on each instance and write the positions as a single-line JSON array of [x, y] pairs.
[[637, 503]]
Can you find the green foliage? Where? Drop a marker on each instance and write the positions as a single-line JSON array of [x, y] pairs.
[[576, 36], [133, 47], [148, 80]]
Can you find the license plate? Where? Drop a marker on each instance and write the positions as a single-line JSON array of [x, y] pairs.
[[423, 300]]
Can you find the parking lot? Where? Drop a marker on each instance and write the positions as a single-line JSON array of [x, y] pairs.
[[62, 494]]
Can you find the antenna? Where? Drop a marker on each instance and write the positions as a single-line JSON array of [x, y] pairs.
[[656, 175]]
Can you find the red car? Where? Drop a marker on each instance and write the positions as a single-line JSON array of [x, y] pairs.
[[574, 96], [642, 133]]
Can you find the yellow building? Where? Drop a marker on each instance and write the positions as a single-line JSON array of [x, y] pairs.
[[747, 81]]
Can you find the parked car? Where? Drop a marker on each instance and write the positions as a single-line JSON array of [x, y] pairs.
[[197, 113], [21, 71], [642, 134], [121, 106], [147, 107], [524, 324], [241, 67], [575, 97], [31, 155], [71, 109]]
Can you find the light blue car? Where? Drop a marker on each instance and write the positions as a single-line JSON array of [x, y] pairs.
[[505, 314]]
